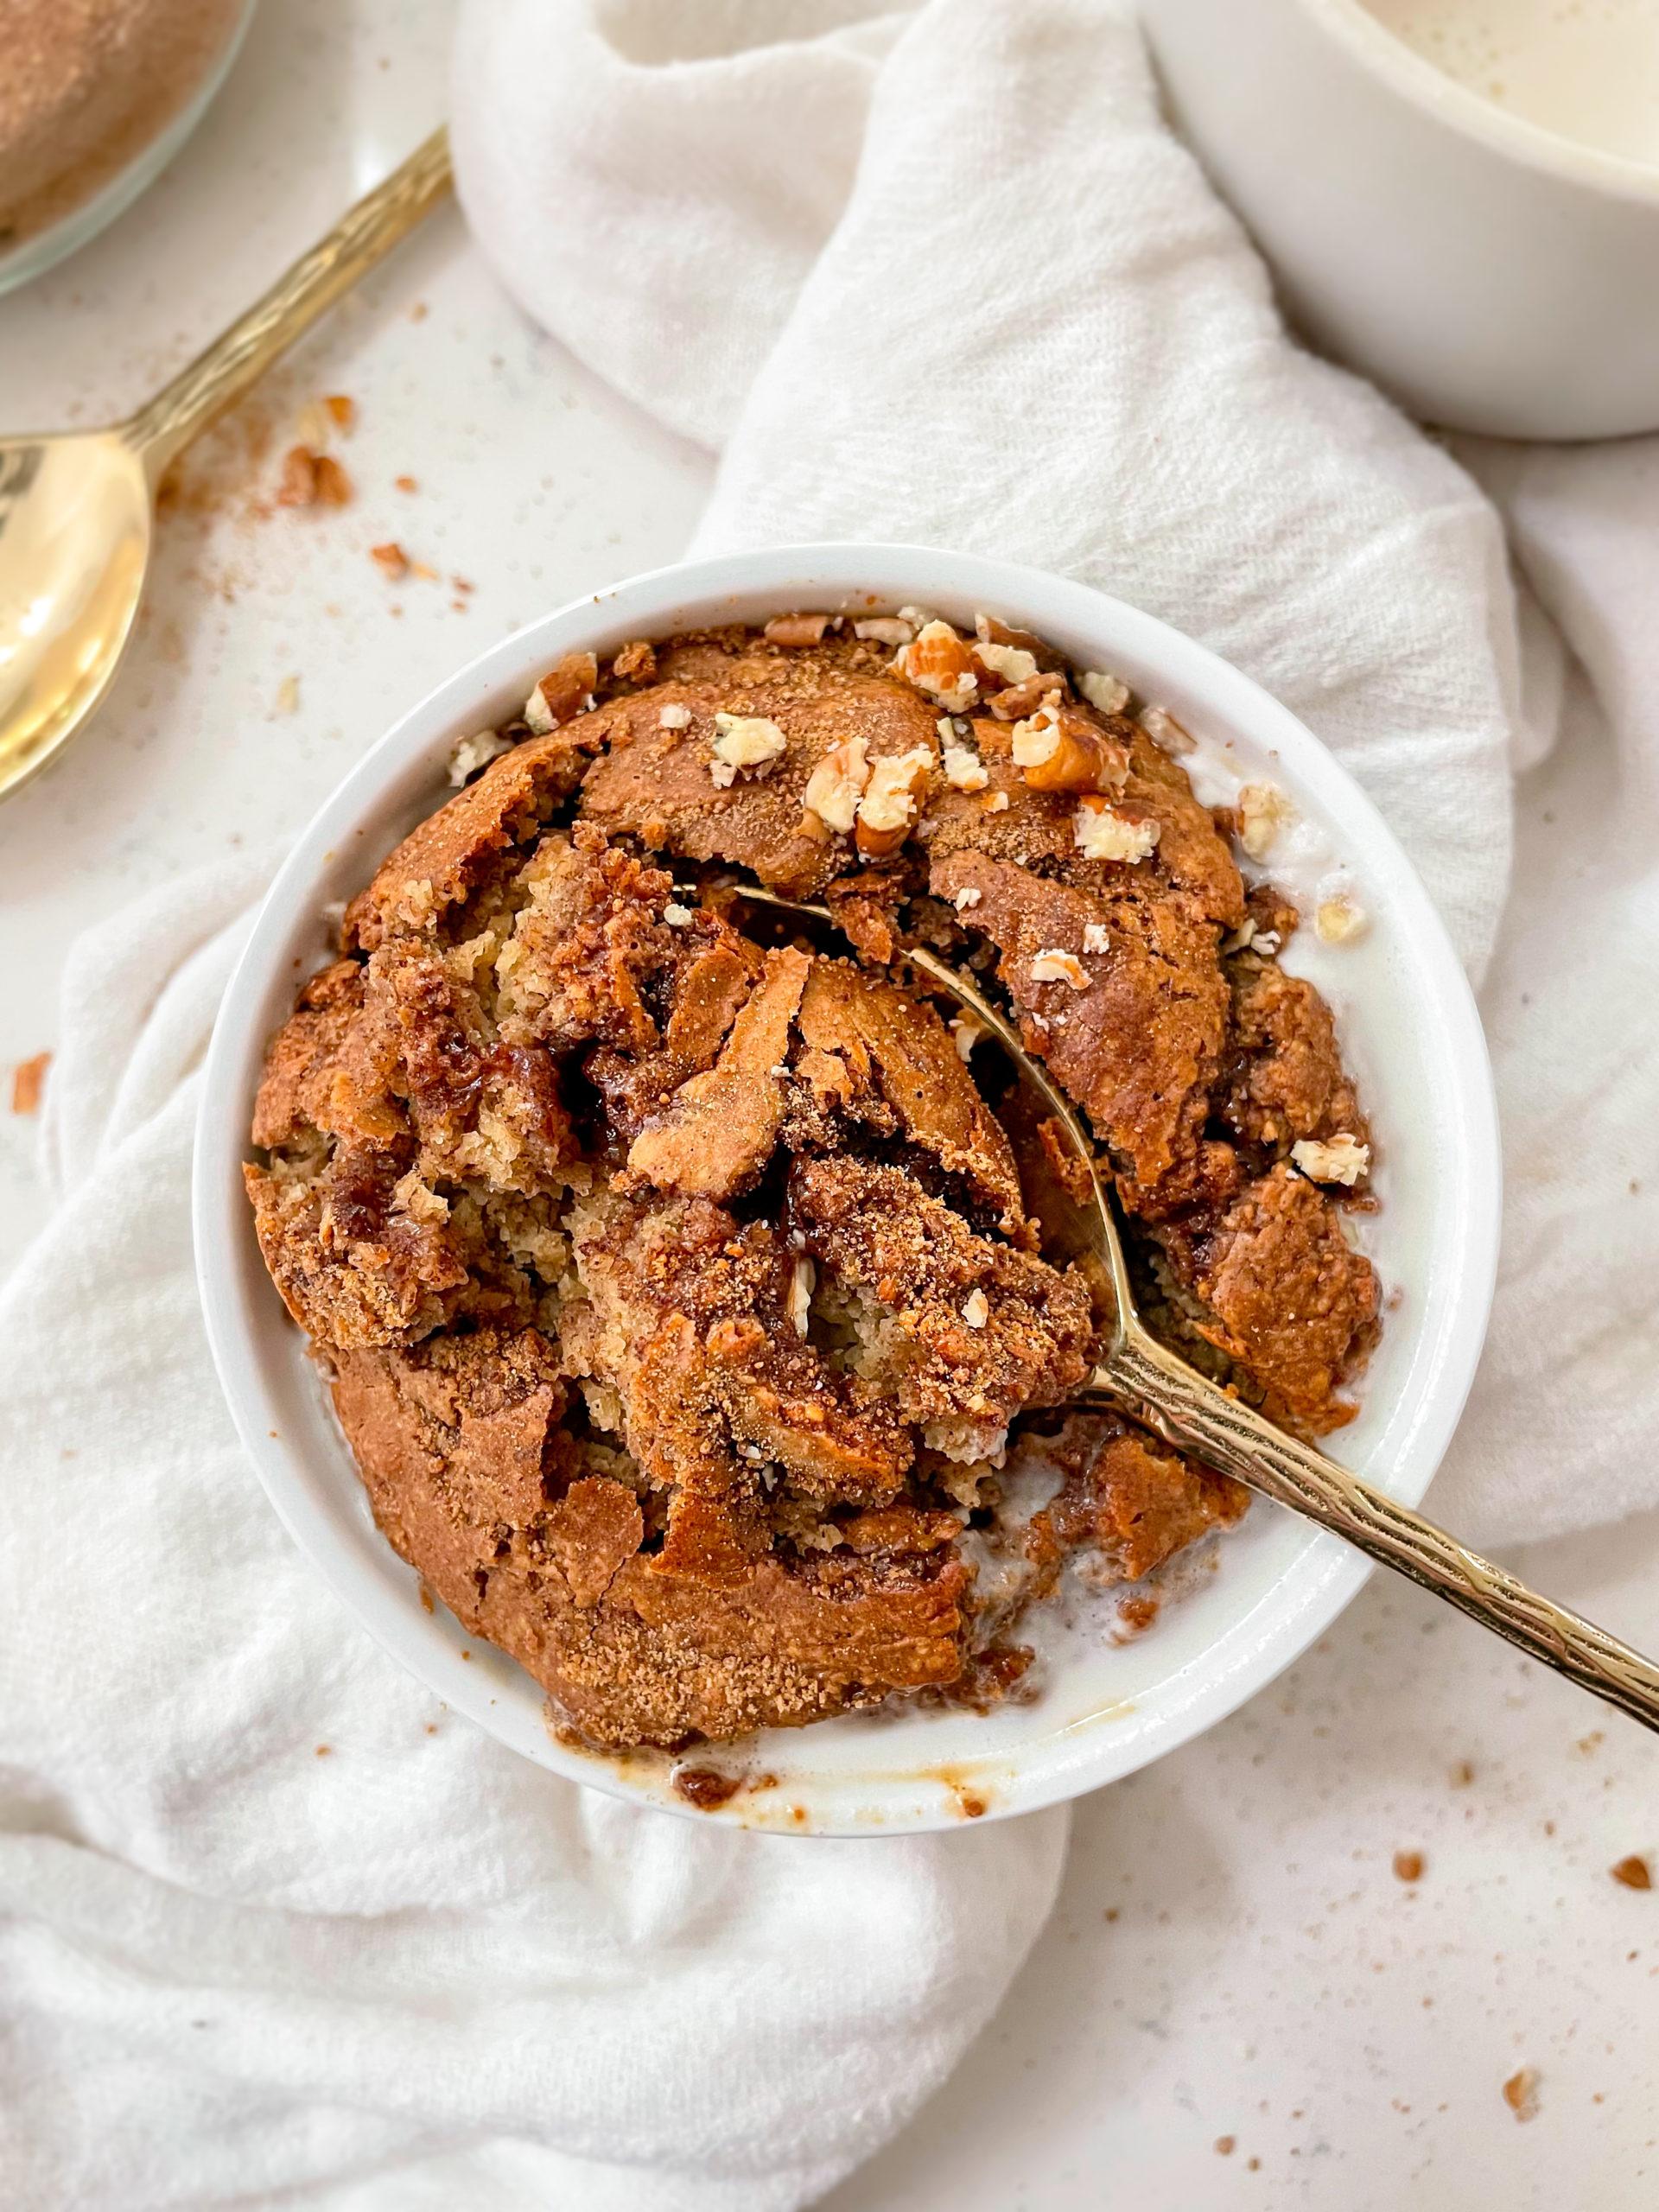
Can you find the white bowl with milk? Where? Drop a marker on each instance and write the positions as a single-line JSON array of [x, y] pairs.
[[1459, 197]]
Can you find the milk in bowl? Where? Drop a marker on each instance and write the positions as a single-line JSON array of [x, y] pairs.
[[1587, 70]]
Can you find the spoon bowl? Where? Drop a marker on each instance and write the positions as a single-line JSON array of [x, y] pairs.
[[75, 542]]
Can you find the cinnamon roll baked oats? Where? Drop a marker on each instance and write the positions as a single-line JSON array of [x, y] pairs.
[[671, 1269]]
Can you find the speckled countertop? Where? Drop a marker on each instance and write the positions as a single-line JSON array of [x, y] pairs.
[[1239, 2002]]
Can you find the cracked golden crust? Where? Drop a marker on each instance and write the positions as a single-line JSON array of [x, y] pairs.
[[454, 853], [979, 1330], [1286, 1296], [1140, 1045], [476, 1483], [654, 783]]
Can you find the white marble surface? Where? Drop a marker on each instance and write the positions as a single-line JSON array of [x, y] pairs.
[[1233, 1956]]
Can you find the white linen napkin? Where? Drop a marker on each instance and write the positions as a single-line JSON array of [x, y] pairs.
[[944, 278]]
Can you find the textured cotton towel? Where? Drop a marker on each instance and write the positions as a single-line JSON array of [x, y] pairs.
[[941, 277]]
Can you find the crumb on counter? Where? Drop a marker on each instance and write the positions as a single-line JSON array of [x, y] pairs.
[[1520, 2093], [29, 1083], [310, 478]]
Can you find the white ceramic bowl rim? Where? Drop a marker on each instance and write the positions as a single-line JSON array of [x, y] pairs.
[[1513, 137], [302, 1461]]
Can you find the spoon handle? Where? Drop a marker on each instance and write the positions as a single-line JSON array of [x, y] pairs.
[[362, 237], [1142, 1378]]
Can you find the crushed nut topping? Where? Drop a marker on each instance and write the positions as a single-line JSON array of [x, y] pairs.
[[745, 741], [1102, 835], [1054, 966], [967, 897], [1110, 694], [1094, 938], [796, 629], [676, 916], [674, 717], [977, 1311], [1264, 812], [884, 630], [995, 802], [891, 797], [468, 754], [798, 1302], [1019, 700], [936, 661], [1060, 749], [834, 788], [564, 692], [963, 769], [1012, 663], [965, 1034], [1037, 739], [1343, 1159], [1339, 920], [1169, 735]]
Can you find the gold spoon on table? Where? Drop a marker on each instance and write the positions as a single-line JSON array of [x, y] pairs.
[[1141, 1378], [75, 508]]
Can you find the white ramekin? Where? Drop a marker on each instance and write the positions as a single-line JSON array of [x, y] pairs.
[[1492, 276], [1408, 1022]]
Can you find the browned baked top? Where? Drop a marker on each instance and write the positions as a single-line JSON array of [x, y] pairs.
[[673, 1272]]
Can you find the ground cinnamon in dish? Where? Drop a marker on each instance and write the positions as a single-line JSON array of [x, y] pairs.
[[86, 85], [672, 1270]]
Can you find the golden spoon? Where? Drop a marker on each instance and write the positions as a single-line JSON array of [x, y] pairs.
[[75, 508], [1141, 1377]]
